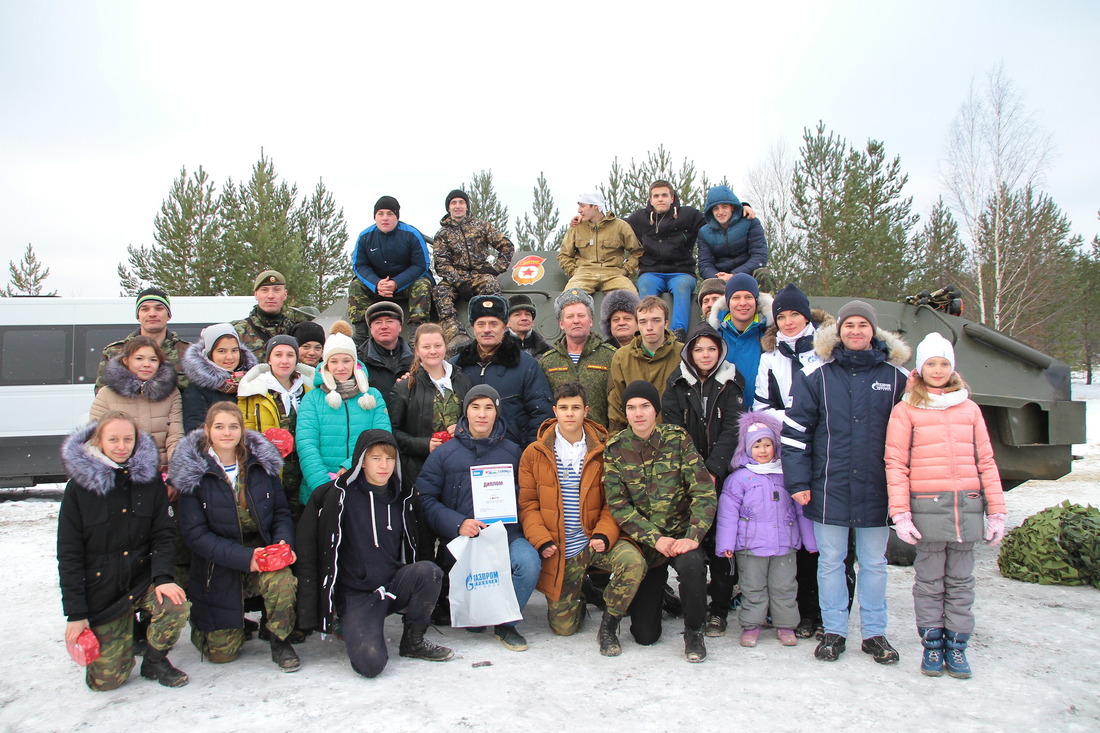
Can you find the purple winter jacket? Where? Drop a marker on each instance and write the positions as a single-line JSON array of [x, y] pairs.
[[756, 513]]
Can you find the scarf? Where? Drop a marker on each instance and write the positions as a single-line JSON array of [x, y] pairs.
[[94, 451], [570, 454], [290, 398], [762, 469], [792, 346], [347, 389]]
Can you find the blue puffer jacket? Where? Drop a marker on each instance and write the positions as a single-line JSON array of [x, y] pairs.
[[210, 527], [401, 255], [444, 483], [325, 436], [834, 433], [743, 349], [740, 246]]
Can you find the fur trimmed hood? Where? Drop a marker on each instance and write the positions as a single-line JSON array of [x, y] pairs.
[[96, 476], [827, 340], [768, 426], [819, 317], [190, 462], [124, 382], [724, 372], [202, 372], [253, 383], [717, 316]]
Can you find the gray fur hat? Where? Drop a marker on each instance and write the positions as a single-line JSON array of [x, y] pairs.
[[571, 296], [625, 301]]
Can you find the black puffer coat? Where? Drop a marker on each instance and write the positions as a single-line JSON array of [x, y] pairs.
[[208, 521], [114, 532], [205, 381], [412, 414], [668, 239]]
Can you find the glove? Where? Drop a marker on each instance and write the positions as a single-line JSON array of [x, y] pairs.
[[994, 528], [907, 532]]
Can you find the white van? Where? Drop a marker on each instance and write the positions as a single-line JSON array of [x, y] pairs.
[[49, 352]]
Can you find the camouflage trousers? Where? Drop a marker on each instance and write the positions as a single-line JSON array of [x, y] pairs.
[[279, 589], [627, 567], [445, 294], [417, 300], [116, 639]]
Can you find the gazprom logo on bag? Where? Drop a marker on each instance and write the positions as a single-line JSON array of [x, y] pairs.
[[481, 580]]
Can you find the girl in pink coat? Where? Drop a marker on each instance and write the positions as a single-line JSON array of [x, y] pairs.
[[942, 480]]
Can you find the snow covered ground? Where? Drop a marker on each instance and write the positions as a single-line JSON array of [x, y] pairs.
[[1036, 659]]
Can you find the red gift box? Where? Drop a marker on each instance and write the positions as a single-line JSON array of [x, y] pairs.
[[274, 557], [442, 436], [281, 439], [86, 648]]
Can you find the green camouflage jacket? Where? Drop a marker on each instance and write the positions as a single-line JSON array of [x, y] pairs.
[[465, 248], [591, 371], [658, 487], [173, 347], [258, 327]]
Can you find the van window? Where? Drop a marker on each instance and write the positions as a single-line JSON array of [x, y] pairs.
[[35, 355], [90, 342]]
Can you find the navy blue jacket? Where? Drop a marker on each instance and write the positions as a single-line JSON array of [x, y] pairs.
[[834, 433], [444, 482], [525, 397], [401, 255], [739, 247], [209, 524]]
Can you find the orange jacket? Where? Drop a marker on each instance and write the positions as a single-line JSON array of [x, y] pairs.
[[540, 505]]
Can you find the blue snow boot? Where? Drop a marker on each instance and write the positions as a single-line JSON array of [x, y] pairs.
[[955, 657], [931, 663]]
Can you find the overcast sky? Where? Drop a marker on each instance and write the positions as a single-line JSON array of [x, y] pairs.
[[104, 102]]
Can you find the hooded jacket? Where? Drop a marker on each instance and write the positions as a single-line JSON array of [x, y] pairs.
[[668, 239], [155, 405], [592, 370], [540, 505], [525, 398], [324, 527], [446, 491], [608, 244], [740, 246], [781, 361], [470, 247], [210, 527], [743, 347], [707, 409], [208, 382], [834, 433], [633, 362], [412, 415], [260, 404], [940, 467], [400, 254], [115, 536]]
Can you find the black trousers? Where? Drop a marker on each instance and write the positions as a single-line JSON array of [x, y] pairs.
[[414, 588], [645, 611], [723, 576]]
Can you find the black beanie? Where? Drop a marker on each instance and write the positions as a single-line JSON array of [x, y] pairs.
[[390, 204], [155, 295], [644, 389], [308, 331], [280, 340], [791, 298], [456, 194]]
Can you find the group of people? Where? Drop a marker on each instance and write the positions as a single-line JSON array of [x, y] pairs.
[[763, 450]]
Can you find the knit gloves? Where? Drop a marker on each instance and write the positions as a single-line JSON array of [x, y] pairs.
[[907, 531], [994, 528]]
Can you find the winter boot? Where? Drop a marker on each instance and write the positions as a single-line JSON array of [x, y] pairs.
[[283, 654], [955, 656], [931, 663], [805, 628], [510, 638], [156, 666], [786, 637], [830, 648], [750, 635], [695, 649], [879, 648], [715, 626], [415, 646], [608, 635], [671, 603]]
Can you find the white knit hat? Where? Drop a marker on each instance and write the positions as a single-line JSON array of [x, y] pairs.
[[338, 342], [934, 345]]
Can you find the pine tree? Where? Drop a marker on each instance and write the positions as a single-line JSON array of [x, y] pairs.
[[941, 255], [1085, 316], [484, 203], [542, 233], [820, 190], [188, 256], [627, 190], [26, 277], [324, 237]]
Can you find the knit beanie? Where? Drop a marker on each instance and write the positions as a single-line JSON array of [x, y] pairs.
[[644, 389], [856, 308], [934, 345], [456, 194], [307, 331], [390, 204], [488, 306], [617, 301], [790, 298], [212, 334], [480, 390], [742, 281], [339, 342], [571, 296], [280, 340], [711, 286], [155, 295]]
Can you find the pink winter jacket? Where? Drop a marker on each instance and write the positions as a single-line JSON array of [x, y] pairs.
[[939, 466]]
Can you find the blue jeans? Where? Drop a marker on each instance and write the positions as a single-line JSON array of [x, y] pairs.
[[526, 566], [832, 543], [680, 285]]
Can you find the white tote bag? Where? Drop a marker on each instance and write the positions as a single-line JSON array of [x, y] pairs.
[[481, 579]]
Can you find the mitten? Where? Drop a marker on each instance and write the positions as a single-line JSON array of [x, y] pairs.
[[994, 528], [907, 532]]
